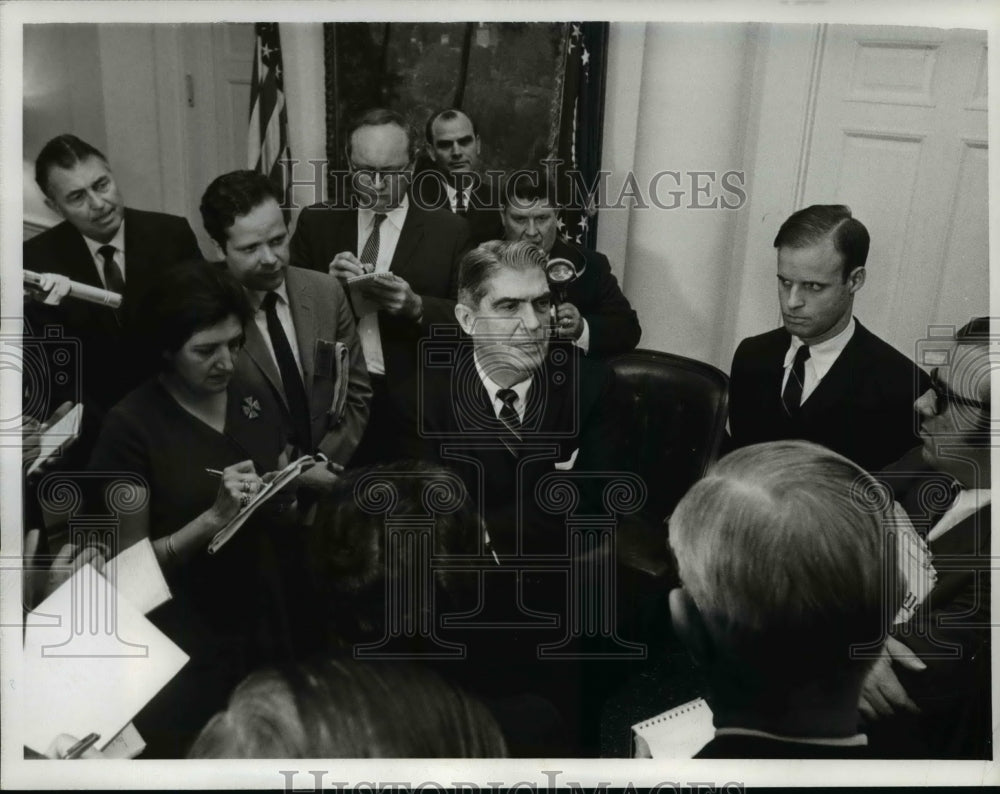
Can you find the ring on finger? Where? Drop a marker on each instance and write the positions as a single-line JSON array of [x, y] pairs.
[[245, 499]]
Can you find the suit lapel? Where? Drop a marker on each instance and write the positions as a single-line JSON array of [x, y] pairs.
[[256, 349], [836, 386], [300, 302], [80, 265], [409, 239]]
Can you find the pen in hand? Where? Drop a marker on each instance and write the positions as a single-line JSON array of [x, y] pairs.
[[216, 472], [82, 746]]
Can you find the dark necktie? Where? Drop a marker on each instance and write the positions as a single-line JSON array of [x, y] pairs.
[[113, 278], [460, 207], [369, 255], [508, 413], [112, 273], [792, 396], [295, 393]]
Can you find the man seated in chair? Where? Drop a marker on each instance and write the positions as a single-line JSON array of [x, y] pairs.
[[509, 407], [823, 376], [783, 599]]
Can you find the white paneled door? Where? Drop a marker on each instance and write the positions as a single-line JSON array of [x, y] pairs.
[[899, 133], [218, 66]]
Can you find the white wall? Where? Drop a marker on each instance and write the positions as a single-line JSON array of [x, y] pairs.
[[688, 84], [121, 88]]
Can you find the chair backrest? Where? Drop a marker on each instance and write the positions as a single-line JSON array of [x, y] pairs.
[[676, 423]]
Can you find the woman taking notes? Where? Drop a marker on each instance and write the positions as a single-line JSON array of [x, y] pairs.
[[227, 609]]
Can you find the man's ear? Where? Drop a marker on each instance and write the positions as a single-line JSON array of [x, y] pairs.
[[690, 626], [219, 250], [856, 280], [54, 207], [465, 317]]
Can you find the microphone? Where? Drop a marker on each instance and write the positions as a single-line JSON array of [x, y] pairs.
[[83, 292]]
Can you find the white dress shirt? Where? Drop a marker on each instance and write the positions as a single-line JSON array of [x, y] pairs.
[[492, 387], [118, 241], [967, 503], [821, 357], [284, 312], [388, 239]]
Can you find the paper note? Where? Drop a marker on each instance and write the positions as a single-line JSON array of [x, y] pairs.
[[61, 433], [97, 668], [127, 744], [137, 576], [677, 733]]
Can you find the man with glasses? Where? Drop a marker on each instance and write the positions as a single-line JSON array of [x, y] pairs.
[[823, 376], [408, 254], [928, 696]]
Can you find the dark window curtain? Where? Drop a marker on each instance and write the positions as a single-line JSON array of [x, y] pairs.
[[536, 90]]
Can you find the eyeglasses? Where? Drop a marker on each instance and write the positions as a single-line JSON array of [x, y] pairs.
[[943, 395], [370, 175]]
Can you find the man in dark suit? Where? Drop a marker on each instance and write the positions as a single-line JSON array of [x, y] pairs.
[[512, 413], [927, 696], [824, 377], [518, 406], [414, 251], [103, 244], [591, 310], [302, 348], [454, 181], [782, 579]]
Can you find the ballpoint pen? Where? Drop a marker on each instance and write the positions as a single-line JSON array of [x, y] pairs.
[[82, 746]]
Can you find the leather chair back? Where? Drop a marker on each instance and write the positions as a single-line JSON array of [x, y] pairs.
[[676, 423]]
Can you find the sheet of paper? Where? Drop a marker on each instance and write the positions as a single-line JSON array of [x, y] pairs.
[[137, 576], [127, 744], [678, 733], [97, 668], [65, 430]]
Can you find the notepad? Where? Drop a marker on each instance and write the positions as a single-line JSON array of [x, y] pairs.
[[97, 668], [60, 435], [285, 476], [361, 304], [678, 733]]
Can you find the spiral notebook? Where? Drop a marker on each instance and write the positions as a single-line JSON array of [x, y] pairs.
[[678, 733]]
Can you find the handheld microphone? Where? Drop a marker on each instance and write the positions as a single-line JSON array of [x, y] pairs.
[[80, 291]]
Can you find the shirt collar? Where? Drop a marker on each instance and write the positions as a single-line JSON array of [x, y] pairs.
[[118, 241], [257, 296], [395, 216], [492, 387], [823, 354]]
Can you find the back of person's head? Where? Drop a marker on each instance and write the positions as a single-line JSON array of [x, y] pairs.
[[784, 556], [810, 226], [189, 297], [480, 264], [232, 196], [352, 560], [63, 151], [343, 708]]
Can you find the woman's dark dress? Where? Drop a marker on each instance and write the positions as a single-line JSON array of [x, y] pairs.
[[227, 611]]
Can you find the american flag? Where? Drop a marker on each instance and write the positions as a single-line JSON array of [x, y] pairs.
[[578, 139], [267, 141]]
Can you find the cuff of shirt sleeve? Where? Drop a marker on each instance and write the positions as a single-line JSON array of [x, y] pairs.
[[584, 341]]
